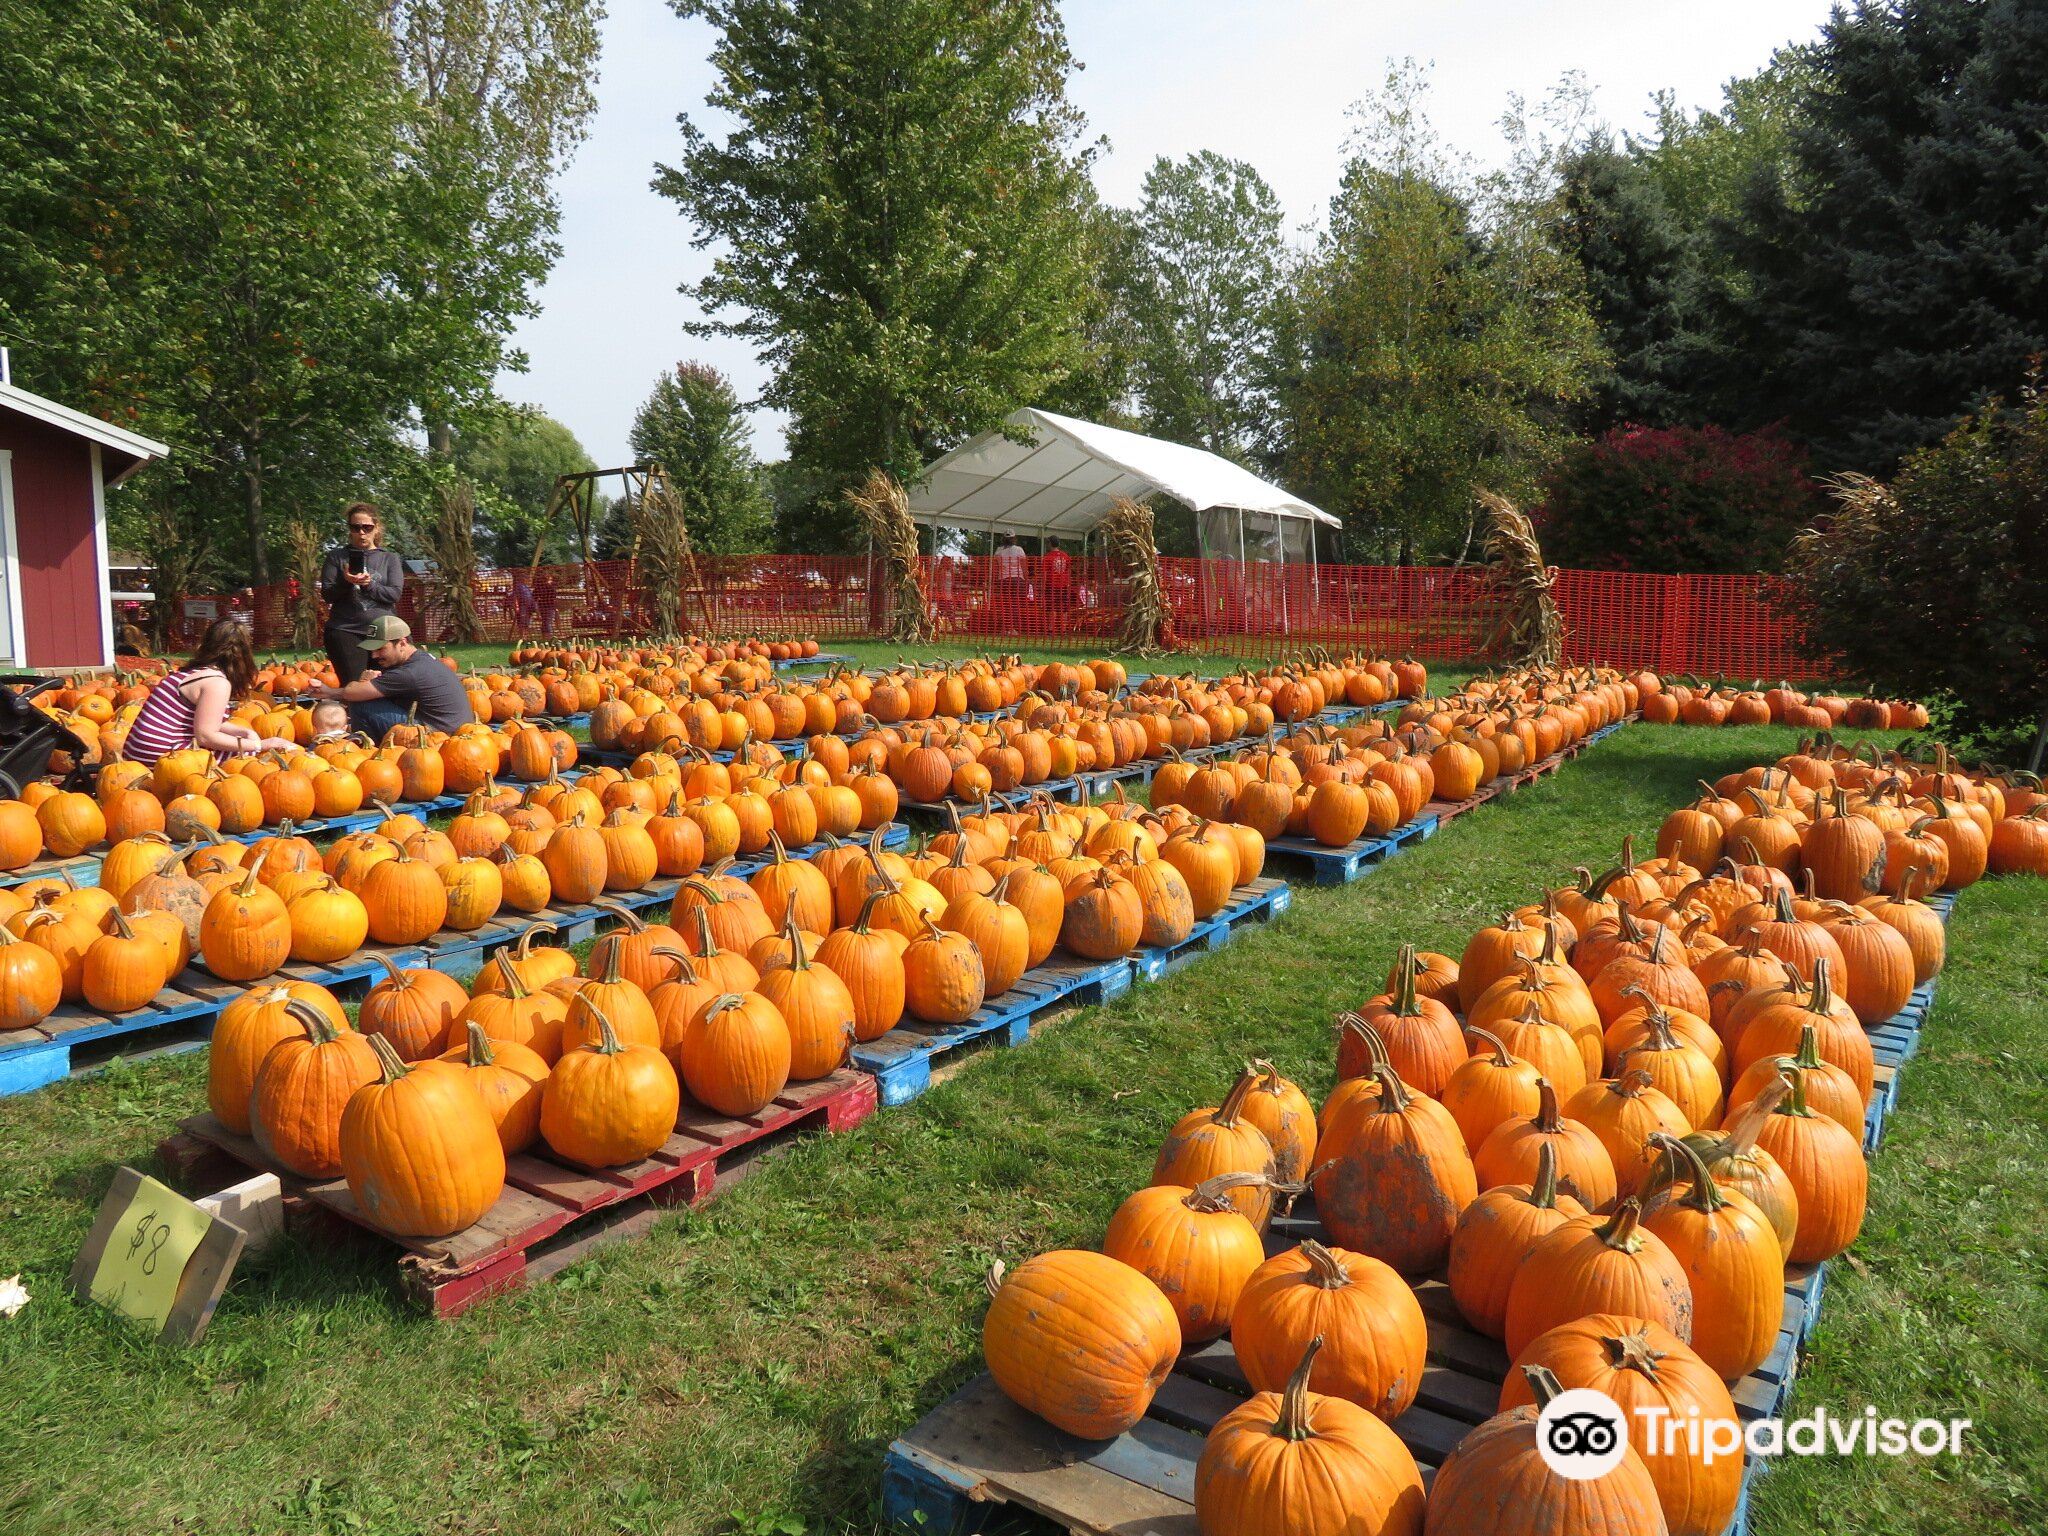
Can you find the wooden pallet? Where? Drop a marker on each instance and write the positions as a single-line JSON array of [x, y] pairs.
[[822, 659], [979, 1449], [1340, 866], [552, 1212], [901, 1061], [84, 869], [1260, 901], [58, 1047]]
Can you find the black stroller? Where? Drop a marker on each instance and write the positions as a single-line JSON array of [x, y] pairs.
[[28, 737]]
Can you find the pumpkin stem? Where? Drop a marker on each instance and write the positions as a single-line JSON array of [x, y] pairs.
[[1233, 1102], [607, 1042], [390, 1065], [1325, 1270], [1543, 1194], [1375, 1047], [1823, 999], [319, 1028], [480, 1052], [1620, 1230], [1405, 1005], [1795, 1103], [1546, 1120], [1208, 1196], [1393, 1092], [1293, 1422], [992, 1278], [1706, 1194]]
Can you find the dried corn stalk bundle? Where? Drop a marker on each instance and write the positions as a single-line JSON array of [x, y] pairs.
[[455, 557], [665, 565], [885, 509], [1126, 534], [303, 545], [1529, 632]]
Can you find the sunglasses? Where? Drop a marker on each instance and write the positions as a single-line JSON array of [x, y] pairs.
[[362, 527]]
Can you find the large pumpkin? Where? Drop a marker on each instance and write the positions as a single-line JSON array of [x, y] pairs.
[[1642, 1366], [1597, 1263], [1498, 1467], [1296, 1463], [418, 1147], [1194, 1245], [1395, 1177], [246, 932], [1367, 1316], [1206, 1142], [1496, 1233], [304, 1083], [607, 1104], [509, 1079], [1733, 1262], [1080, 1339]]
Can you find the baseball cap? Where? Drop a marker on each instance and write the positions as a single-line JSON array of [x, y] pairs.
[[385, 630]]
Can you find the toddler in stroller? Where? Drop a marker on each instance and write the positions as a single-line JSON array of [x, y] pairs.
[[28, 737]]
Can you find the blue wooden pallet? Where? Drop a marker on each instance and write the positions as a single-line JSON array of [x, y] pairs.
[[1339, 866], [822, 659], [978, 1451], [84, 869], [44, 1053], [901, 1060], [1259, 902]]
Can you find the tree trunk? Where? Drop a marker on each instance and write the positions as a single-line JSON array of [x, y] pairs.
[[440, 440], [259, 551]]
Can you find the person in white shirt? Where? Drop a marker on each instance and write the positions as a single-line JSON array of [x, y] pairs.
[[1010, 565]]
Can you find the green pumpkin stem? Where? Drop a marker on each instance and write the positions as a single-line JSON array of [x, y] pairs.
[[1620, 1230], [390, 1065], [1706, 1194]]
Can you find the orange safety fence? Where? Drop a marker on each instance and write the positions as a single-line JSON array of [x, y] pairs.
[[1713, 625]]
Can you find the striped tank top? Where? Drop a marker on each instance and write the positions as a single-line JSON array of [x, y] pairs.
[[164, 724]]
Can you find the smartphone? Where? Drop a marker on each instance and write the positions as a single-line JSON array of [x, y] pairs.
[[356, 560]]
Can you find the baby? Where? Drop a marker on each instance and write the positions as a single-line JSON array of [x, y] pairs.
[[330, 720]]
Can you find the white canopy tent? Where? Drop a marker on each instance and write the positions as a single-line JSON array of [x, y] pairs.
[[1063, 481]]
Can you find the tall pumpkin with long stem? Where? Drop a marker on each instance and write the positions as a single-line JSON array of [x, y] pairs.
[[419, 1149], [1206, 1142], [1395, 1179], [1824, 1164]]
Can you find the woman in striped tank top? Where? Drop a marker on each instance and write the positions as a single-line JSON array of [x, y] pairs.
[[189, 707]]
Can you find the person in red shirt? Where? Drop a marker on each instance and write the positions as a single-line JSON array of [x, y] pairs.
[[1057, 585]]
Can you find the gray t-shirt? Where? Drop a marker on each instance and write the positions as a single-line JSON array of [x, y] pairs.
[[431, 684]]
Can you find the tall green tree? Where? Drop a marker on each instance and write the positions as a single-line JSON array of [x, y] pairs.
[[1210, 233], [215, 234], [899, 212], [693, 426], [513, 458], [1898, 268], [1644, 287], [1435, 339], [501, 93]]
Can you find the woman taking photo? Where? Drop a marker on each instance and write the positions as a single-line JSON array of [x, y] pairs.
[[189, 707], [362, 582]]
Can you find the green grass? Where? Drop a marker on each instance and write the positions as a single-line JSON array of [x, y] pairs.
[[743, 1367]]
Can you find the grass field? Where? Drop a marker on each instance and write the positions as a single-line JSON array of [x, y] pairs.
[[742, 1368]]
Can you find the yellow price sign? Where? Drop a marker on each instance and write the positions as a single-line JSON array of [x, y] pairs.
[[141, 1248]]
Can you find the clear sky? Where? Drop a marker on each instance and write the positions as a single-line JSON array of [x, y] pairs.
[[1266, 81]]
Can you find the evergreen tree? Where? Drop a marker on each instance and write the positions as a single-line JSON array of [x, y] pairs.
[[1643, 281], [1899, 267], [901, 220], [692, 426]]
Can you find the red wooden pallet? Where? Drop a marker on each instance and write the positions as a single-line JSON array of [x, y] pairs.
[[554, 1212]]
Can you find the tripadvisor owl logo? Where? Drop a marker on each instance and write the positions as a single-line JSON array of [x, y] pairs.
[[1582, 1434]]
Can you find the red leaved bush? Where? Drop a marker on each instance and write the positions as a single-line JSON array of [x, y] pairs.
[[1674, 499]]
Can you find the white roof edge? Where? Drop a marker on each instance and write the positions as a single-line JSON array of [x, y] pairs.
[[134, 444]]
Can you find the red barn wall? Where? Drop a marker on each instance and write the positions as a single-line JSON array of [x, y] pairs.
[[63, 592]]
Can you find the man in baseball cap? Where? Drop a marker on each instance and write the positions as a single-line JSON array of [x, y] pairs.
[[404, 681]]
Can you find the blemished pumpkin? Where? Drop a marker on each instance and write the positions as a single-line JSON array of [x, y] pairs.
[[1732, 1260], [418, 1147], [1280, 1109], [1394, 1177], [1300, 1463], [1498, 1467], [1367, 1316], [943, 981], [1194, 1245], [1080, 1339], [1597, 1263], [509, 1079], [607, 1104], [1220, 1139], [301, 1088], [1641, 1365], [1494, 1236]]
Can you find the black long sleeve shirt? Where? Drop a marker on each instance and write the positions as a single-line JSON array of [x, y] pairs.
[[353, 607]]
